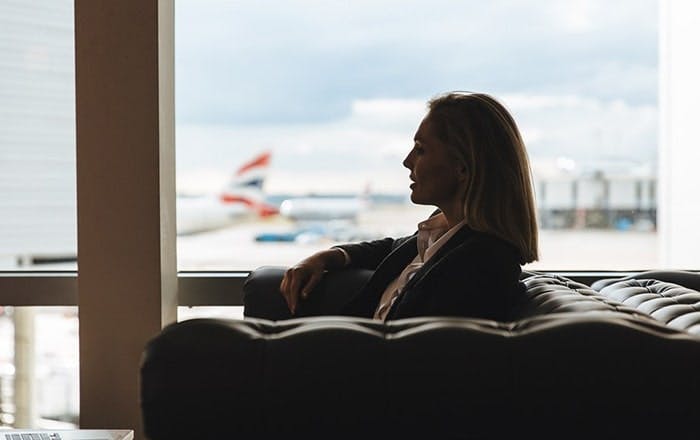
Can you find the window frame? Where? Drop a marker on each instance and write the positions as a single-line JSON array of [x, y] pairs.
[[195, 288]]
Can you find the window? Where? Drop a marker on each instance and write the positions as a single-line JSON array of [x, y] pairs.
[[334, 92], [39, 359], [39, 367], [37, 135]]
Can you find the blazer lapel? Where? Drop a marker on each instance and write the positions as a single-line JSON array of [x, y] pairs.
[[460, 237], [367, 299]]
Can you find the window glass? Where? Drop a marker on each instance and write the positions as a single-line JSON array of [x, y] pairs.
[[220, 312], [293, 119], [39, 355], [37, 135], [39, 372]]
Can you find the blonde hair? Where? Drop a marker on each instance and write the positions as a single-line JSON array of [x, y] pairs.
[[483, 136]]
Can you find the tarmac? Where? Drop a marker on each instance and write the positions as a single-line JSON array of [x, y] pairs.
[[235, 248]]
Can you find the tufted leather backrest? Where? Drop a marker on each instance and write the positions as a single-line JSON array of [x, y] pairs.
[[592, 373], [685, 278], [548, 293], [576, 363], [674, 305]]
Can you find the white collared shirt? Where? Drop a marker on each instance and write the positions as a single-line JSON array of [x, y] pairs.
[[433, 233]]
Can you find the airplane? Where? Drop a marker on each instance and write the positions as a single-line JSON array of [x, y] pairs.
[[241, 198], [325, 208], [321, 217]]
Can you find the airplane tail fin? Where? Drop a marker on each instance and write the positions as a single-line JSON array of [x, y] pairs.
[[246, 186]]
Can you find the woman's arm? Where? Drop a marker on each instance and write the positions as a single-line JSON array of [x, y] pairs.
[[368, 254], [301, 278]]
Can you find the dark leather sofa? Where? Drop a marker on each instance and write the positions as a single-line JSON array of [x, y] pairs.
[[622, 362]]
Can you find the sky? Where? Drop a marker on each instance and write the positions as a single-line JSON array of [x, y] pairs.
[[336, 89]]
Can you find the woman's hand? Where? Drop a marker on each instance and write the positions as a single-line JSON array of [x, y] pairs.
[[300, 279]]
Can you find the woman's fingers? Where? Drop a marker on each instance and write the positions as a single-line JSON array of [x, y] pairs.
[[284, 283], [306, 290], [299, 280], [295, 288], [292, 282], [285, 287]]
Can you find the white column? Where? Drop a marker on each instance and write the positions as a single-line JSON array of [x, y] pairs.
[[26, 414], [679, 149], [127, 276]]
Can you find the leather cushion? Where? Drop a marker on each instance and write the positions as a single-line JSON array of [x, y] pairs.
[[675, 305]]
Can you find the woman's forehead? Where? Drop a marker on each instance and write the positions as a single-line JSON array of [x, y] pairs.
[[425, 129]]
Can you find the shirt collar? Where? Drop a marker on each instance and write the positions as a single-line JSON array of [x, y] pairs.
[[434, 231]]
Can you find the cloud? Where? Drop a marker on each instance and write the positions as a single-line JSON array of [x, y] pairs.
[[308, 61], [585, 128], [370, 143]]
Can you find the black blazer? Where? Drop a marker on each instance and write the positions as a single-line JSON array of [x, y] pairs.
[[473, 275]]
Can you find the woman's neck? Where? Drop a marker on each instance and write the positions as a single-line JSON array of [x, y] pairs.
[[453, 214]]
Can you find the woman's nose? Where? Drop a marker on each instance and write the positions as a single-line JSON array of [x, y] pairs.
[[407, 161]]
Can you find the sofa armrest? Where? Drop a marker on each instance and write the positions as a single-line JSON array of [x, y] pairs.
[[262, 298]]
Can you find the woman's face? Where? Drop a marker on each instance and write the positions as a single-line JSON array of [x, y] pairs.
[[437, 176]]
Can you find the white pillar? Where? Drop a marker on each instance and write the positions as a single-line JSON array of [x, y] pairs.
[[26, 414], [127, 278], [679, 140]]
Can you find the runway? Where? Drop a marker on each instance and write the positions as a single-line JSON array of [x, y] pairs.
[[235, 248]]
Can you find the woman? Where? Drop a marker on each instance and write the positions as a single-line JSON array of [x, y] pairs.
[[469, 161]]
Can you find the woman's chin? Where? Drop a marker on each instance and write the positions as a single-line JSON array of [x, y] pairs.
[[415, 198]]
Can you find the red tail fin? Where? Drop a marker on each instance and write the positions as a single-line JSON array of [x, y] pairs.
[[246, 186], [262, 161]]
